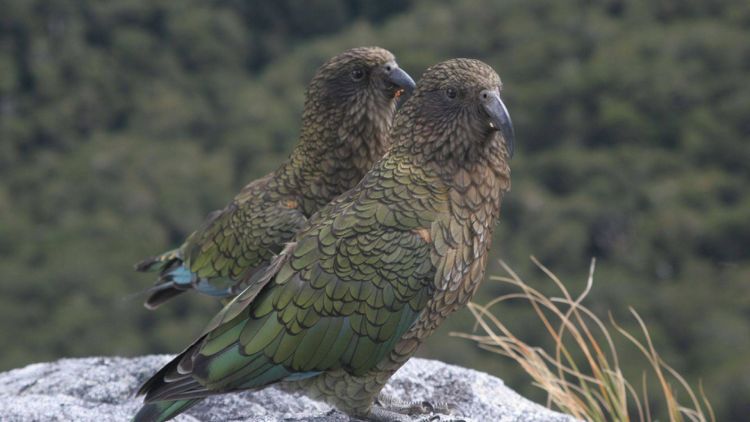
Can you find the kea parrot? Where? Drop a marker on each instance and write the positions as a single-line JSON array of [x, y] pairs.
[[372, 274], [348, 113]]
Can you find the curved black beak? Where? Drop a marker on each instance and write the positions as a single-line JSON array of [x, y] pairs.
[[398, 77], [499, 117]]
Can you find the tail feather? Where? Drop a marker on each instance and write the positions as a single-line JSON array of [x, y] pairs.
[[161, 294], [158, 262], [172, 390], [176, 278], [163, 410]]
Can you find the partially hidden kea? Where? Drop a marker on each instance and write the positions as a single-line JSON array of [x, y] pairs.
[[348, 113]]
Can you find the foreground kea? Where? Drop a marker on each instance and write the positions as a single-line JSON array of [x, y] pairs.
[[372, 274]]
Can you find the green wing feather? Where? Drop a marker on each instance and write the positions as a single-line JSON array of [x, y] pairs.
[[322, 311], [244, 236], [340, 297]]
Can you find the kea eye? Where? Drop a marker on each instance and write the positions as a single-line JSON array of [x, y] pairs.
[[451, 92], [358, 74]]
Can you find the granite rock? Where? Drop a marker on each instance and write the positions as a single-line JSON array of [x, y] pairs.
[[101, 389]]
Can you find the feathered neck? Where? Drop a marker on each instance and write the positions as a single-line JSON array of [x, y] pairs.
[[338, 144], [452, 146]]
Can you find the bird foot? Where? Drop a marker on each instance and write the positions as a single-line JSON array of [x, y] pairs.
[[423, 407], [388, 408], [380, 414]]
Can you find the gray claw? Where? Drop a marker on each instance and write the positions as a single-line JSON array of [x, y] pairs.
[[413, 408]]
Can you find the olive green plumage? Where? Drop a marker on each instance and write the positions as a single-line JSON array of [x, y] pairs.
[[373, 273], [348, 112]]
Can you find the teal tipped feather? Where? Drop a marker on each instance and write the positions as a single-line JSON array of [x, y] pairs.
[[175, 278]]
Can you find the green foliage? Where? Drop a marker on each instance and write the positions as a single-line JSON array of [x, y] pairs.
[[123, 124]]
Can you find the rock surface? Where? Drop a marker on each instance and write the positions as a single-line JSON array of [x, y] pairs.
[[101, 389]]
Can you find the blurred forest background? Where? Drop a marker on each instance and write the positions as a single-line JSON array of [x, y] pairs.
[[122, 124]]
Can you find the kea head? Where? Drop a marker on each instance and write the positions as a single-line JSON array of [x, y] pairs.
[[456, 107], [354, 95]]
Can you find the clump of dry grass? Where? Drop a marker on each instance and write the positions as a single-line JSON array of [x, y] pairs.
[[593, 387]]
